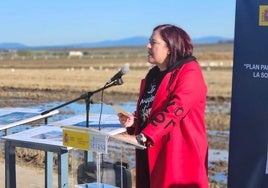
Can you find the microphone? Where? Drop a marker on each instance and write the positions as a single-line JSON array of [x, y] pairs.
[[120, 73]]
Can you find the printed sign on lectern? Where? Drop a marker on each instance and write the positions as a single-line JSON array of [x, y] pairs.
[[84, 139]]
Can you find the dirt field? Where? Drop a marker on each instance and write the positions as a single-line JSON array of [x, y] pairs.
[[48, 76]]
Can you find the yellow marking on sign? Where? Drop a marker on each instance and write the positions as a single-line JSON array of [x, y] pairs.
[[76, 138], [263, 15]]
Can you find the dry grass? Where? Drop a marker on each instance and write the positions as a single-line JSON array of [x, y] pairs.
[[218, 81], [69, 79]]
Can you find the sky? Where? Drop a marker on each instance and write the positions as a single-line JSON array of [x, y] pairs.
[[57, 22]]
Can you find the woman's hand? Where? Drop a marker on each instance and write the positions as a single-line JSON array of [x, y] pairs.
[[127, 120]]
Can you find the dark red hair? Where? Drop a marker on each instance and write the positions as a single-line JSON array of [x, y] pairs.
[[178, 42]]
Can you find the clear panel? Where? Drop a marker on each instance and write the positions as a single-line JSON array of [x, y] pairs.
[[114, 168]]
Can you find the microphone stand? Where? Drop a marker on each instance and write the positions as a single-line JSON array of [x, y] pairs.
[[87, 96]]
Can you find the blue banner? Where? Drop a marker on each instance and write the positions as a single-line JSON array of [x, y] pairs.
[[249, 106]]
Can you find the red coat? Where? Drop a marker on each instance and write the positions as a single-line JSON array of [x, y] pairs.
[[176, 129]]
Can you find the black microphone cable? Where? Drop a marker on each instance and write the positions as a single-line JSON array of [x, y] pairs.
[[102, 94]]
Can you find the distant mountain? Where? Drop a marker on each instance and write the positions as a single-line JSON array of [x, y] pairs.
[[210, 39], [142, 41], [133, 41], [9, 45]]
